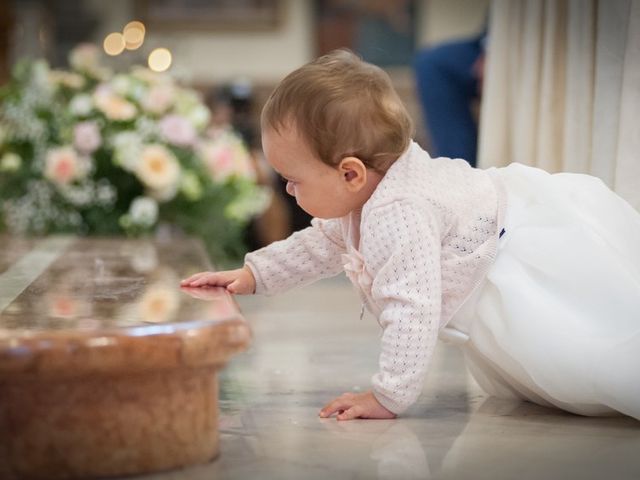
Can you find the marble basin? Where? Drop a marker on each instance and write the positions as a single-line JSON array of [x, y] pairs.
[[107, 367]]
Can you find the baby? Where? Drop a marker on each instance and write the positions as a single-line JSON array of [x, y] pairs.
[[529, 273]]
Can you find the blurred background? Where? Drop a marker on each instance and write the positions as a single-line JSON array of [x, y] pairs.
[[537, 82], [234, 53], [255, 43]]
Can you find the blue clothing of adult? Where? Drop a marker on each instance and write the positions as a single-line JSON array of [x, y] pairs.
[[447, 85]]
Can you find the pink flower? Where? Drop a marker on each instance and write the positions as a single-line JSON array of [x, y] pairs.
[[62, 165], [86, 137], [226, 156], [159, 98], [178, 130]]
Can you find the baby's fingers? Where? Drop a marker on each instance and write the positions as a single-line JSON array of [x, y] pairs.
[[338, 405], [213, 279], [236, 287], [352, 413], [193, 278]]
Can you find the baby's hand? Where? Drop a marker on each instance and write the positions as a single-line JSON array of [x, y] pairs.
[[356, 405], [240, 281]]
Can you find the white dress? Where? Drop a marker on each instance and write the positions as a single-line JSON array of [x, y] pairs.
[[557, 319]]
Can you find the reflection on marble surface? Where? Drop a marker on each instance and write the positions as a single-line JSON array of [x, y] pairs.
[[107, 367], [99, 284], [309, 346]]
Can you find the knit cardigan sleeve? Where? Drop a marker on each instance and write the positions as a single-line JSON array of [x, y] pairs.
[[401, 242], [300, 259]]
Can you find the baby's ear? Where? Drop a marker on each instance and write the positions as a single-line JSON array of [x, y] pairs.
[[354, 173]]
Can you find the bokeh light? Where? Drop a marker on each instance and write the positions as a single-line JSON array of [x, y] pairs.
[[160, 60], [133, 34], [114, 44]]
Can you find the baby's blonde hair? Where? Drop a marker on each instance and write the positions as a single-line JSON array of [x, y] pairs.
[[342, 106]]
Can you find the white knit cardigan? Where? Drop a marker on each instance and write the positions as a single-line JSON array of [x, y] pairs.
[[419, 247]]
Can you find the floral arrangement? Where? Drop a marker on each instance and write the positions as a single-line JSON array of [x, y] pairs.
[[90, 152]]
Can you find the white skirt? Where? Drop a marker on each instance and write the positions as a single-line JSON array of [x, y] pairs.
[[557, 320]]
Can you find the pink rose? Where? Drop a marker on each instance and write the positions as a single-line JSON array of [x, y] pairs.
[[62, 165], [178, 130]]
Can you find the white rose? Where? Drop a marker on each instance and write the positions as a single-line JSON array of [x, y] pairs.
[[158, 168]]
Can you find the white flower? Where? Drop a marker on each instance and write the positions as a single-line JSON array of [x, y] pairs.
[[113, 105], [62, 165], [127, 150], [158, 169], [81, 105], [10, 162], [159, 98], [86, 137], [143, 211], [178, 130]]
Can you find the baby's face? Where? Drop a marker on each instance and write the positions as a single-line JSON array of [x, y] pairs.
[[319, 188]]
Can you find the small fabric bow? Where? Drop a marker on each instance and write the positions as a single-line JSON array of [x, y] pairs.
[[356, 270]]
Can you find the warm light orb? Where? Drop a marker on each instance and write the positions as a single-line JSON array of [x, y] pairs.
[[133, 33], [114, 44], [160, 60]]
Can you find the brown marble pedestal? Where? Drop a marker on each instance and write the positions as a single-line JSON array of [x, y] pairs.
[[107, 367]]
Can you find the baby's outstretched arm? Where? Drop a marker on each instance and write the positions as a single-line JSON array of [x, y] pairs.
[[356, 405], [240, 281]]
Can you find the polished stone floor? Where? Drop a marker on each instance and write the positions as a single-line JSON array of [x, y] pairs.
[[310, 346]]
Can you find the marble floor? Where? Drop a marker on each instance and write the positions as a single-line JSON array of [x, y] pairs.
[[310, 346]]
